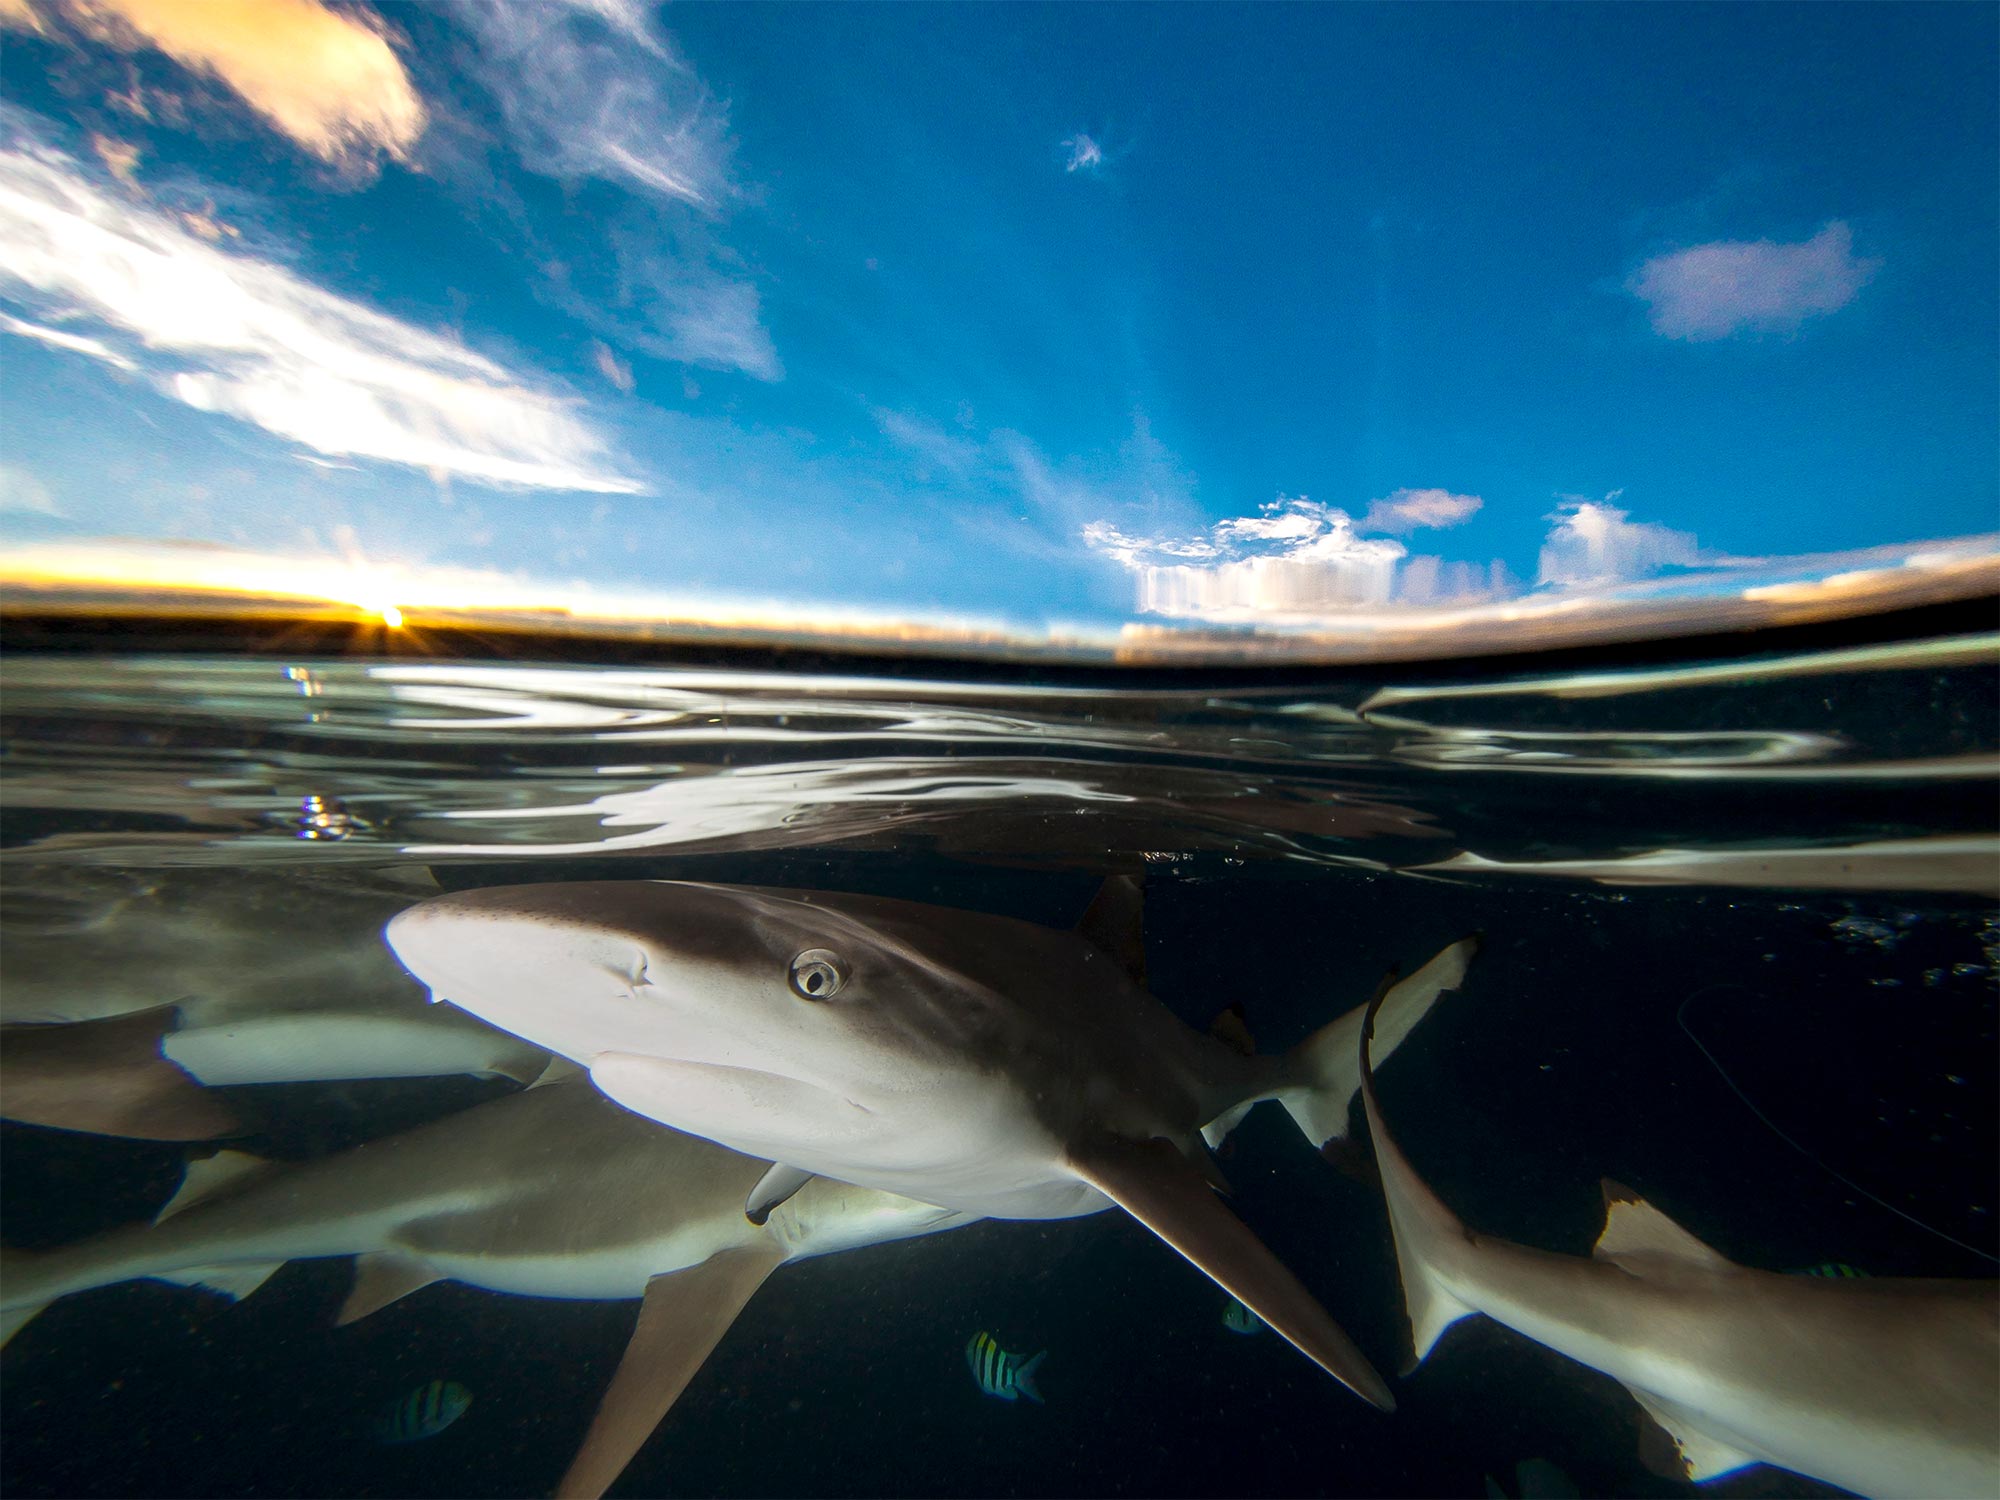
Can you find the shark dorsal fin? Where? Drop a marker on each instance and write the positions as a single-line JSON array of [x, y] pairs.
[[684, 1315], [379, 1279], [1634, 1228], [1115, 925], [207, 1176]]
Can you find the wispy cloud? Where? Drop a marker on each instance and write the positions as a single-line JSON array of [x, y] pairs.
[[22, 494], [327, 79], [1593, 542], [229, 333], [1084, 154], [1709, 292], [594, 89], [1414, 510]]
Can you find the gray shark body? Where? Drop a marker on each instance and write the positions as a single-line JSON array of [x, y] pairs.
[[126, 990], [992, 1066], [552, 1192], [1885, 1386]]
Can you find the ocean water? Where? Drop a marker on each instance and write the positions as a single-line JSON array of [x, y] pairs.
[[1784, 1033]]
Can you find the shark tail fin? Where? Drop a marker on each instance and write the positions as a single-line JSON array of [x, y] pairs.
[[108, 1077], [1420, 1222], [1326, 1066], [1024, 1377]]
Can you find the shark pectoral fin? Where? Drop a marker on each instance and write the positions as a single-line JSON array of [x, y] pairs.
[[382, 1277], [1635, 1231], [683, 1317], [208, 1176], [1701, 1456], [234, 1282], [107, 1077], [1158, 1186], [773, 1188]]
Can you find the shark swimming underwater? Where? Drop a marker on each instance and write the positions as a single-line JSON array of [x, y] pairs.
[[1884, 1386], [128, 991], [984, 1064], [552, 1192]]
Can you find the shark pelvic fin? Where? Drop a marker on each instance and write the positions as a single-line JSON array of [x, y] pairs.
[[1115, 925], [558, 1069], [1635, 1231], [684, 1316], [108, 1077], [1159, 1187], [207, 1176], [1700, 1456], [380, 1278], [772, 1189]]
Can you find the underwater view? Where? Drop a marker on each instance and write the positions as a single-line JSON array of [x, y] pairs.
[[1711, 938], [999, 750]]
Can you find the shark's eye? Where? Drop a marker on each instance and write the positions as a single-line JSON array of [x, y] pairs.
[[817, 974]]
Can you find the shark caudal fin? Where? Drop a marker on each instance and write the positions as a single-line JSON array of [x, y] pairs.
[[1158, 1186], [107, 1077], [1326, 1066], [1420, 1222], [1024, 1378]]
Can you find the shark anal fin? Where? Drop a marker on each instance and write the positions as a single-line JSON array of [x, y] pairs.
[[108, 1077], [1160, 1188], [380, 1278], [683, 1317], [1115, 925], [206, 1177], [772, 1189], [1635, 1231], [1702, 1457], [233, 1281]]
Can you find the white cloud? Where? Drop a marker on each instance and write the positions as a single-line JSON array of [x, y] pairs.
[[22, 494], [592, 88], [75, 343], [1085, 155], [327, 79], [1709, 292], [1592, 542], [1294, 557], [229, 333], [1411, 510]]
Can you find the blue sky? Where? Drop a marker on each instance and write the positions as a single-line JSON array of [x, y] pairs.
[[1036, 314]]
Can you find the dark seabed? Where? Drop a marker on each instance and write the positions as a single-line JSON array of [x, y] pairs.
[[1630, 1031]]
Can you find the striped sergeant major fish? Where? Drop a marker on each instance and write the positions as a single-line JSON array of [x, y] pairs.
[[1833, 1270], [998, 1373], [425, 1412], [1239, 1319]]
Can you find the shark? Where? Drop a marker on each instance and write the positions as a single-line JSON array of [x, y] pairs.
[[1886, 1386], [129, 994], [554, 1191], [984, 1064]]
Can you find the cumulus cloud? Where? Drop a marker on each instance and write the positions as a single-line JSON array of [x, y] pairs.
[[1412, 510], [228, 333], [1085, 155], [327, 79], [1593, 542], [1294, 557], [593, 89], [1709, 292]]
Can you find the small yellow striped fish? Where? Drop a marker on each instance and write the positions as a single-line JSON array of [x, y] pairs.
[[425, 1412], [1834, 1270], [998, 1373], [1239, 1319]]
